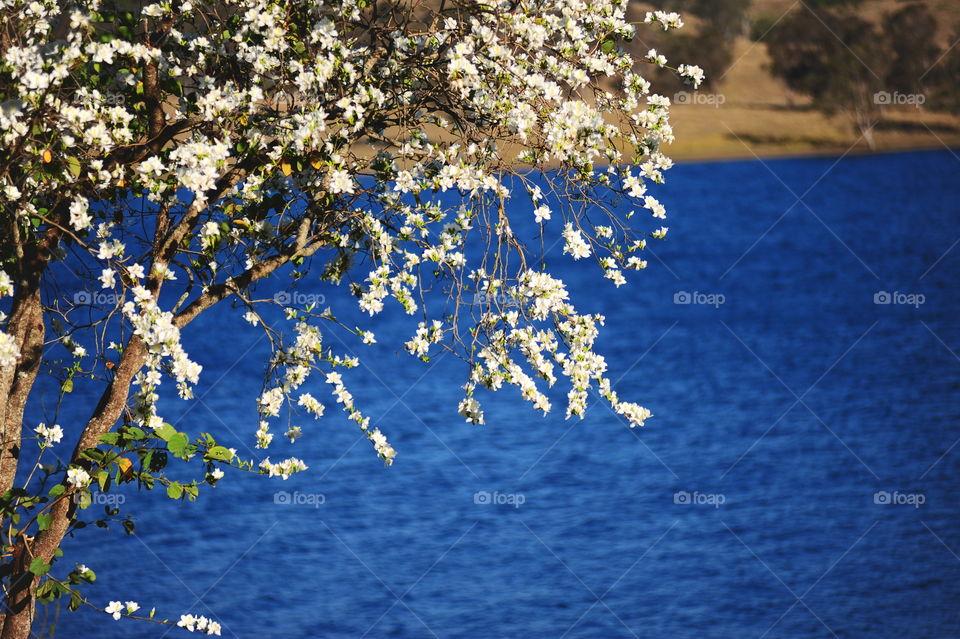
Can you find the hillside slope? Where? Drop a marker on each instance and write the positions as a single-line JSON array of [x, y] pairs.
[[753, 113]]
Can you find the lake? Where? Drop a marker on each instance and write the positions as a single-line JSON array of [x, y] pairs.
[[796, 338]]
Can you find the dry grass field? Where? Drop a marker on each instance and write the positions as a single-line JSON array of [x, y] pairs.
[[753, 113]]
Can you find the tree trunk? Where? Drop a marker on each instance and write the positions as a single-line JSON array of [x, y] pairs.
[[20, 598], [867, 131], [28, 330], [26, 327]]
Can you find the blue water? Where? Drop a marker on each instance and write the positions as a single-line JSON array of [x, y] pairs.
[[793, 403]]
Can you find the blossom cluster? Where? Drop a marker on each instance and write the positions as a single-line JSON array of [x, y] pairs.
[[192, 623], [49, 435], [117, 609], [199, 624]]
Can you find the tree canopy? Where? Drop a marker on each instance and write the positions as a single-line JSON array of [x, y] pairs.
[[159, 159]]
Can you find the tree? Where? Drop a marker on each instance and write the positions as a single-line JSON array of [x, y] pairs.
[[718, 24], [726, 17], [713, 52], [942, 74], [176, 155], [912, 32], [837, 58]]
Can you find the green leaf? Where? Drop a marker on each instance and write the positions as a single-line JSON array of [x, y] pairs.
[[177, 443], [174, 490], [75, 601], [67, 386], [39, 567], [57, 490], [220, 453], [44, 591], [110, 438], [51, 590], [103, 479], [43, 520], [93, 454], [166, 432]]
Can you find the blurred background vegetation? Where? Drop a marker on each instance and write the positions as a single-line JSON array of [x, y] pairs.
[[811, 76]]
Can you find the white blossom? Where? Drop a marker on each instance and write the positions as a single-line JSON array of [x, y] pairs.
[[80, 218], [115, 608], [574, 244], [9, 350], [692, 73], [77, 477], [49, 434], [108, 278], [340, 182]]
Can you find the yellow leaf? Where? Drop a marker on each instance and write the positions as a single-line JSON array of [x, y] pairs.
[[47, 156], [125, 467], [315, 162], [285, 167]]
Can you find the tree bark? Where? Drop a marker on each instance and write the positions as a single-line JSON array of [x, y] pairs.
[[26, 323], [20, 598], [27, 328]]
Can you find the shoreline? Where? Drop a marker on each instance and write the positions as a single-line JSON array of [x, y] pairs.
[[787, 154]]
